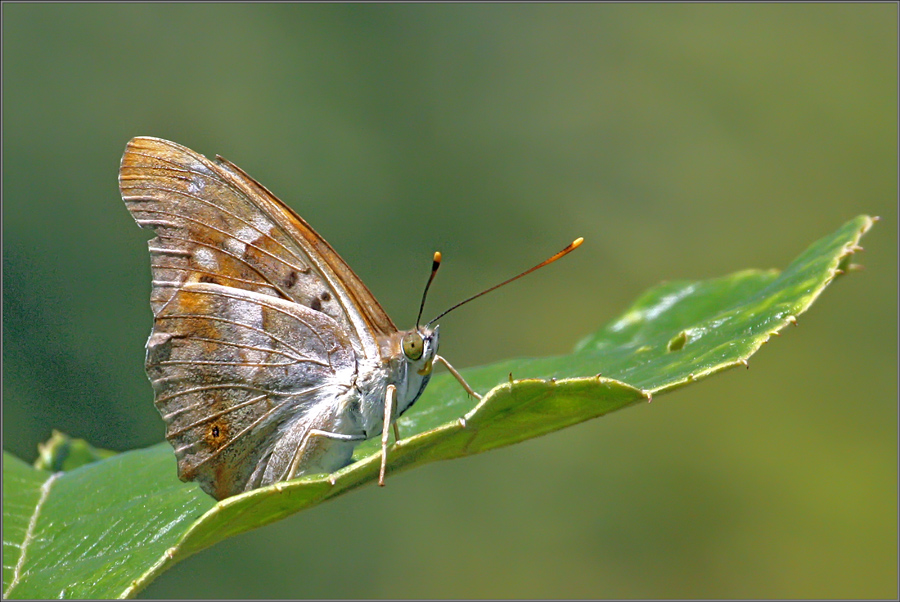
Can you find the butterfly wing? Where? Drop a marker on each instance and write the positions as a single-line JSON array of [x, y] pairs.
[[257, 319]]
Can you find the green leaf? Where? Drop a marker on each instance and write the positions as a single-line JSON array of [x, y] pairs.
[[108, 527], [89, 532]]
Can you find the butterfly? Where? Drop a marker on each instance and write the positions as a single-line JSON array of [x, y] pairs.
[[268, 358]]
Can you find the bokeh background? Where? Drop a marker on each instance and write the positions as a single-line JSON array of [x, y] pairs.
[[682, 141]]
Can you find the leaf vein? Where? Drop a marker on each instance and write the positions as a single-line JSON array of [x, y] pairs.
[[29, 533]]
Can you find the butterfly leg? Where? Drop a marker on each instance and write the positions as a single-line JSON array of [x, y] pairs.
[[390, 401], [294, 466], [458, 377]]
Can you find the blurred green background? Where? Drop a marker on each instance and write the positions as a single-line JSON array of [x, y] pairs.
[[682, 141]]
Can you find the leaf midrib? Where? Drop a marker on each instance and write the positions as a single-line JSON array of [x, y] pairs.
[[29, 532]]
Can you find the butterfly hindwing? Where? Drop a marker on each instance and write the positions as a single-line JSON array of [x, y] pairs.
[[230, 368]]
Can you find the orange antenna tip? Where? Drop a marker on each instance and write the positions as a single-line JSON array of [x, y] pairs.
[[437, 256], [572, 246]]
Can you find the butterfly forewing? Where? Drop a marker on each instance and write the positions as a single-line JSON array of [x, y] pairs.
[[216, 224]]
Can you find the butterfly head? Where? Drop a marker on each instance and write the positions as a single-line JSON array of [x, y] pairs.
[[419, 348]]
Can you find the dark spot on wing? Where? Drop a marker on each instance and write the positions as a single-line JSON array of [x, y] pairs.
[[291, 279], [315, 304], [325, 296], [217, 434], [209, 279]]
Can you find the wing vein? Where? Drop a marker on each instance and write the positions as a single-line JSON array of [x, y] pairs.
[[192, 270], [301, 267], [297, 359], [179, 168], [248, 327], [216, 415], [193, 390], [218, 249], [210, 204]]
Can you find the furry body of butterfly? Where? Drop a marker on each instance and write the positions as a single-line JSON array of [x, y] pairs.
[[268, 357]]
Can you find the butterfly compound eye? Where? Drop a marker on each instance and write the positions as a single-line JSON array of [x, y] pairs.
[[413, 345]]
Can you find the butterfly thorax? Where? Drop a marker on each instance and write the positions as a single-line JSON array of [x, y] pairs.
[[407, 361]]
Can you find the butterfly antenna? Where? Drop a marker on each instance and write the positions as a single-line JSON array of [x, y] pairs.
[[435, 264], [572, 246]]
